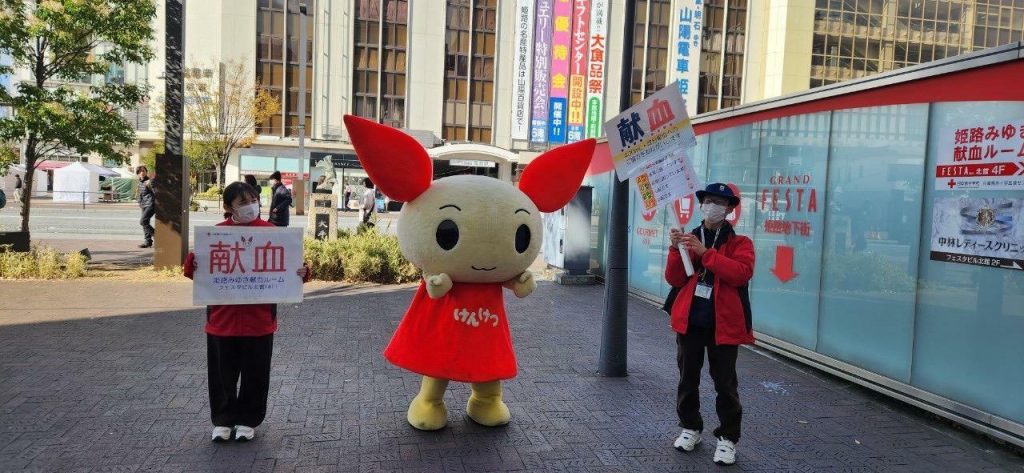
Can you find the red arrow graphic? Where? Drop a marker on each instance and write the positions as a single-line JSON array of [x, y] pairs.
[[1021, 173], [784, 264]]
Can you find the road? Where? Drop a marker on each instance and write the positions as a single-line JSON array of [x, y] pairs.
[[121, 222]]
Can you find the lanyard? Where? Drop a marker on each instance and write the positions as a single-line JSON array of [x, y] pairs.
[[714, 241]]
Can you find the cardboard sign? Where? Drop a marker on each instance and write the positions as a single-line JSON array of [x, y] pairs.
[[654, 129], [247, 265]]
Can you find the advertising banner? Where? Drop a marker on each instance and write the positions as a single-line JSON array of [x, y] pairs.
[[541, 70], [578, 70], [596, 67], [561, 42], [522, 70]]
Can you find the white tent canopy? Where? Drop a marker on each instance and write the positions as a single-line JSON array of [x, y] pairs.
[[79, 182]]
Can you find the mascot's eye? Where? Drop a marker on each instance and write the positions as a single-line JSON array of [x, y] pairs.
[[447, 235], [522, 238]]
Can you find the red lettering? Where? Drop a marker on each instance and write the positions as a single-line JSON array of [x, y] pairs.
[[789, 203], [800, 199], [812, 206], [775, 199]]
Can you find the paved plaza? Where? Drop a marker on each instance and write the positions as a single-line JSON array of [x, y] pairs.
[[103, 375]]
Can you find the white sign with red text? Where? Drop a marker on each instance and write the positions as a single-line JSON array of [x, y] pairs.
[[247, 265], [988, 156]]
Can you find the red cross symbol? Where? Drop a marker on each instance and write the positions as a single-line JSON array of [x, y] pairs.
[[951, 183]]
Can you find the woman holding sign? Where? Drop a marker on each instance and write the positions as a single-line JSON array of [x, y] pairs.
[[239, 339], [710, 314]]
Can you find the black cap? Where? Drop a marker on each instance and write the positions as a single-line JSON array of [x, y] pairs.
[[721, 190], [276, 176]]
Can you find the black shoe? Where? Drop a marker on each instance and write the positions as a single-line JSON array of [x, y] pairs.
[[147, 244]]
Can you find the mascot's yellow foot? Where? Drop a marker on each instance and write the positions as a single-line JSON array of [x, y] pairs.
[[427, 410], [427, 415], [485, 406]]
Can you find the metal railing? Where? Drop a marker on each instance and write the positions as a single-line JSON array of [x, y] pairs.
[[84, 198]]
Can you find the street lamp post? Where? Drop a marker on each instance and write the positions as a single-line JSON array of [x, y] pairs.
[[302, 101], [612, 360]]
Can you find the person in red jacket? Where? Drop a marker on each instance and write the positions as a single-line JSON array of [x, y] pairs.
[[239, 339], [711, 313]]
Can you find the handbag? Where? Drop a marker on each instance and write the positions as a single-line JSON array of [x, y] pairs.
[[670, 299]]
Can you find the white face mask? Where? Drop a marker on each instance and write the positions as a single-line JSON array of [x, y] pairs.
[[246, 213], [713, 213]]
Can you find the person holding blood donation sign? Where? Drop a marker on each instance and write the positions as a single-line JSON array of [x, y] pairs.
[[239, 338], [711, 313]]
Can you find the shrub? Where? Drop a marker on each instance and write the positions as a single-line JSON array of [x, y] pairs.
[[365, 256], [41, 263], [212, 193]]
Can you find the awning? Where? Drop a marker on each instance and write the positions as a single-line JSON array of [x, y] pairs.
[[51, 165]]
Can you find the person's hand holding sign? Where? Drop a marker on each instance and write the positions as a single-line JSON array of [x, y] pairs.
[[692, 243]]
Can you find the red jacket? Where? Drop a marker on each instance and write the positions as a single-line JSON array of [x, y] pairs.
[[253, 320], [733, 266]]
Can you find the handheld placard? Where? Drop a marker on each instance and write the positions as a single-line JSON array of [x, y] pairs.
[[687, 264]]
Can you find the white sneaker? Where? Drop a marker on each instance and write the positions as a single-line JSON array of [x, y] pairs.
[[221, 434], [244, 434], [725, 453], [687, 440]]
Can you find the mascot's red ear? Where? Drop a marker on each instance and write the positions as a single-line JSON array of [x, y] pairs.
[[396, 163], [552, 179]]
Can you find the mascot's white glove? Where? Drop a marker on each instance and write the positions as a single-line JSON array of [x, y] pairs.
[[438, 285], [523, 285]]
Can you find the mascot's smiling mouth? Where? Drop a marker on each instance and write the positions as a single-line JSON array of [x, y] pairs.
[[492, 268]]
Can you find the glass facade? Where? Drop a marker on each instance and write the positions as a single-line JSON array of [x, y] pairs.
[[843, 207], [721, 65], [650, 48], [722, 48], [470, 44], [379, 68], [277, 63], [858, 38]]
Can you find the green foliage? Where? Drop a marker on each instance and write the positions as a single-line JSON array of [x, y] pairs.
[[64, 45], [213, 193], [8, 158], [366, 256], [41, 263], [866, 272], [200, 158]]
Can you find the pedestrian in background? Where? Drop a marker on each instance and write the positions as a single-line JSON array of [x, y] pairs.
[[147, 203], [239, 339], [17, 187], [251, 180], [280, 201], [711, 313], [369, 201], [348, 195]]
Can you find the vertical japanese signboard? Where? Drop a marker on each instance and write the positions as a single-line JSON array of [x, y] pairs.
[[685, 49], [247, 265], [981, 231], [541, 72], [578, 70], [596, 67], [521, 69], [561, 42]]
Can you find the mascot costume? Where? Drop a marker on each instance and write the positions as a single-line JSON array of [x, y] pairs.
[[471, 236]]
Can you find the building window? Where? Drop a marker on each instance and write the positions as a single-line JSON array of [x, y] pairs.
[[379, 70], [858, 38], [277, 63], [650, 48], [470, 38]]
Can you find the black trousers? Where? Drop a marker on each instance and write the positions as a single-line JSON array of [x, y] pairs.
[[234, 359], [147, 229], [722, 366]]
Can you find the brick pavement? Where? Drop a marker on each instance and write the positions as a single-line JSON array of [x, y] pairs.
[[102, 391]]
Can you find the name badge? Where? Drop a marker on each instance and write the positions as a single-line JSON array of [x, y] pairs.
[[703, 291]]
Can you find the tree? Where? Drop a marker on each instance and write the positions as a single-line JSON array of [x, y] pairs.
[[59, 42], [200, 159], [223, 111]]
